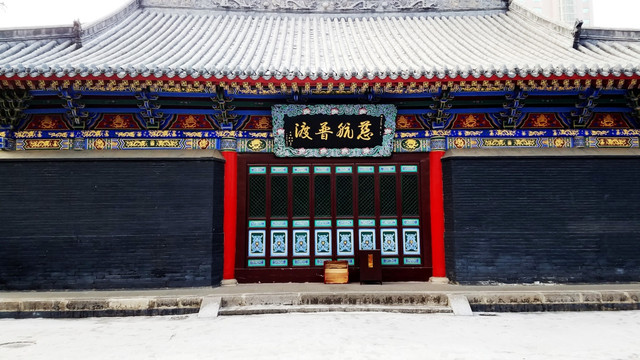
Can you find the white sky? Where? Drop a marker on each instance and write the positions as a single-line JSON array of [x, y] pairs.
[[29, 13]]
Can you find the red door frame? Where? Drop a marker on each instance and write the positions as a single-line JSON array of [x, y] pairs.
[[314, 274]]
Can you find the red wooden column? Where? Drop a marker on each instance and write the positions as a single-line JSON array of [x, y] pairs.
[[228, 148], [436, 204]]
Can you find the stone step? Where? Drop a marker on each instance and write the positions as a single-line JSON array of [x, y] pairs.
[[345, 299], [283, 309], [99, 307]]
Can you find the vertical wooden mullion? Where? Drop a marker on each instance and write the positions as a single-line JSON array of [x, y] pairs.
[[399, 211], [334, 205], [356, 213], [376, 202], [290, 239], [268, 217], [312, 215]]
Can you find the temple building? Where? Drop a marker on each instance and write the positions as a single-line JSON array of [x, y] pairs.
[[196, 142]]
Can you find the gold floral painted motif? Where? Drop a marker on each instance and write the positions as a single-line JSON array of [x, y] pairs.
[[257, 145], [32, 144], [151, 143], [613, 142], [410, 144], [510, 142]]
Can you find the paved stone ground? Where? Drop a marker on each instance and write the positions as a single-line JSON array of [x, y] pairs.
[[566, 336]]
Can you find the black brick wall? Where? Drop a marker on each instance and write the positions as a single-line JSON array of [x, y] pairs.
[[82, 224], [559, 219]]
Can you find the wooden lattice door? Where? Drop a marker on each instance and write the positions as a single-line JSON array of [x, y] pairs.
[[298, 215]]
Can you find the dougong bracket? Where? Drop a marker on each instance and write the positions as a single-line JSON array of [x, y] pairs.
[[76, 115], [513, 107], [149, 109], [633, 98], [440, 114], [12, 106], [221, 103], [585, 107]]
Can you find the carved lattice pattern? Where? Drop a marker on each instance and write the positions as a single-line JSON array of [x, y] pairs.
[[301, 196], [322, 195], [344, 195], [366, 195], [410, 200], [279, 200], [388, 195], [257, 196]]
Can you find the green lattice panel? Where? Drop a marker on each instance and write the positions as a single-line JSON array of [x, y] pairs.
[[322, 195], [301, 196], [388, 195], [366, 195], [279, 199], [344, 195], [410, 198], [257, 195]]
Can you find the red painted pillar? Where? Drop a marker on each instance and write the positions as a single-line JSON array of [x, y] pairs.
[[230, 214], [436, 204]]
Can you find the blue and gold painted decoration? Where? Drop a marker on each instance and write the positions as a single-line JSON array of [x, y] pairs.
[[412, 261], [367, 239], [301, 242], [125, 132], [279, 243], [409, 122], [197, 121], [256, 263], [350, 261], [47, 122], [608, 121], [411, 144], [255, 145], [117, 122], [411, 241], [228, 144], [256, 123], [471, 121], [44, 144], [360, 130], [390, 261], [323, 242], [6, 143], [542, 121], [278, 262], [320, 262], [612, 142], [345, 242], [257, 243], [301, 262], [389, 241]]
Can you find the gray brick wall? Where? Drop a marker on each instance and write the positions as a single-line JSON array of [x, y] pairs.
[[82, 224], [558, 219]]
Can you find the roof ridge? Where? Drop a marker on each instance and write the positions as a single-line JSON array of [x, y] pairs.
[[37, 33], [73, 31], [537, 20], [333, 6], [606, 34], [111, 19]]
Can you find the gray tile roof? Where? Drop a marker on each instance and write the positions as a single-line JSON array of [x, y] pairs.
[[190, 41]]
